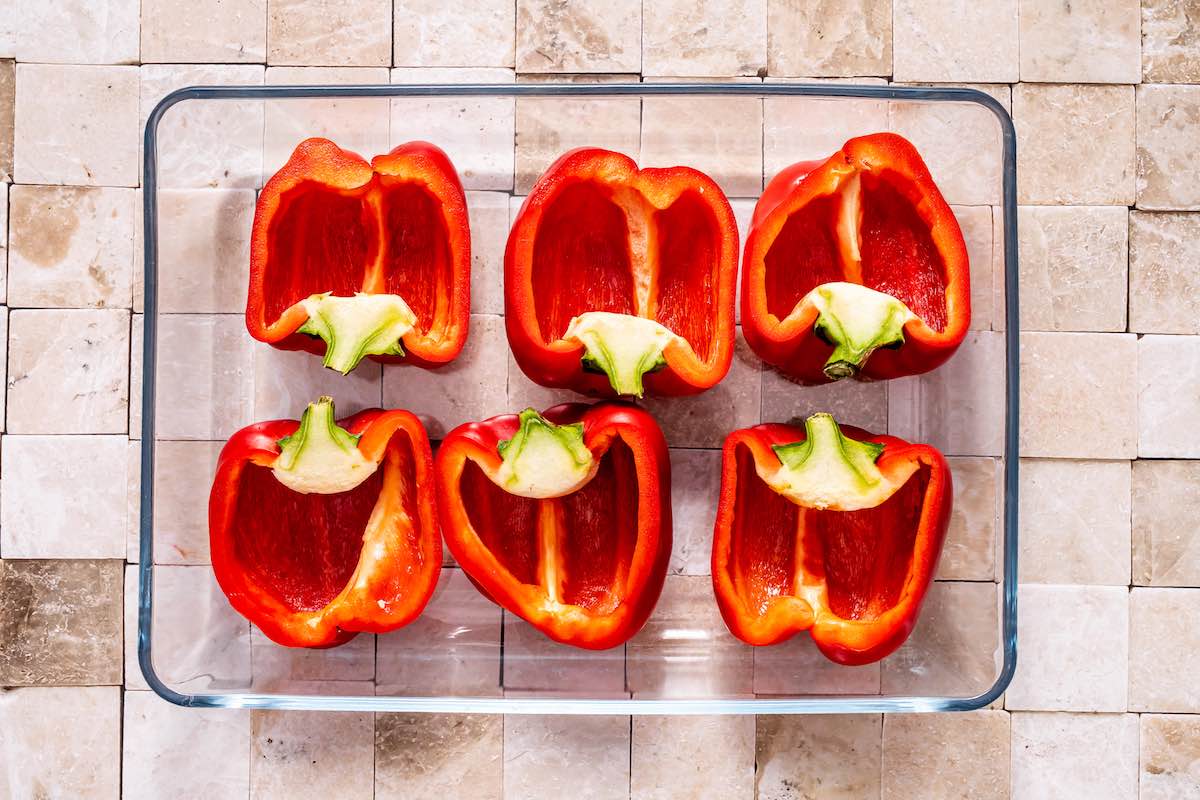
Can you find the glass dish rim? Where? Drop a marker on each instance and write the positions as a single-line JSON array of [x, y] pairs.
[[830, 704]]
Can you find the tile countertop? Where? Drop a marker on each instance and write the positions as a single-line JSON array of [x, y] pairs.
[[1107, 108]]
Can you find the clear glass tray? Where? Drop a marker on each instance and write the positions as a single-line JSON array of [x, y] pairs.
[[207, 151]]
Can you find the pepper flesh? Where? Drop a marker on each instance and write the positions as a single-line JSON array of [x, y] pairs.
[[854, 579], [596, 234], [313, 569], [328, 222], [585, 567], [869, 215]]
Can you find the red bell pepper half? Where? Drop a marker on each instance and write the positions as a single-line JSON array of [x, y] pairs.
[[322, 529], [563, 518], [831, 530], [614, 273], [855, 267], [350, 259]]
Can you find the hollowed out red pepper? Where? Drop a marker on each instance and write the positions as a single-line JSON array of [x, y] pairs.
[[350, 259], [320, 530], [869, 216], [833, 531], [563, 518], [612, 273]]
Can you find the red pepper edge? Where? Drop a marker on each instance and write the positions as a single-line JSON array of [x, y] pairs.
[[557, 364], [602, 422], [322, 161], [844, 641], [354, 610], [793, 346]]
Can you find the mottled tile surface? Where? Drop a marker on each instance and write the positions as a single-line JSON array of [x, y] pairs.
[[204, 250], [705, 38], [1074, 267], [1075, 755], [970, 550], [825, 756], [1170, 35], [488, 213], [555, 36], [819, 38], [1074, 520], [810, 129], [668, 758], [797, 667], [1164, 636], [285, 381], [955, 40], [204, 376], [223, 31], [858, 403], [60, 623], [474, 33], [1168, 403], [695, 481], [720, 136], [554, 756], [1084, 41], [71, 32], [342, 33], [1170, 757], [435, 756], [8, 103], [1168, 176], [547, 127], [312, 754], [946, 755], [1166, 505], [979, 233], [1164, 291], [1075, 649]]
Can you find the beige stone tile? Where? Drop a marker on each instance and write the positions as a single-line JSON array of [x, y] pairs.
[[1074, 267], [1094, 41], [64, 497], [358, 124], [797, 667], [346, 33], [978, 232], [590, 757], [535, 664], [312, 754], [71, 32], [477, 133], [695, 483], [8, 103], [136, 337], [1167, 174], [77, 125], [204, 250], [199, 643], [1166, 503], [453, 648], [707, 38], [1074, 755], [703, 420], [524, 393], [38, 760], [1075, 144], [222, 31], [827, 756], [285, 381], [346, 669], [472, 387], [71, 247], [667, 761], [488, 213], [946, 755], [954, 649], [205, 143], [1170, 752], [579, 77], [967, 167], [186, 753], [955, 40], [581, 37], [435, 756], [60, 623], [1164, 627], [205, 376], [547, 127], [819, 38], [959, 407], [999, 271], [3, 239], [1075, 649], [1074, 520], [969, 553], [1164, 292], [814, 128], [68, 371], [1170, 30], [1168, 405], [475, 33], [720, 136], [1077, 395], [685, 650], [133, 501], [857, 403]]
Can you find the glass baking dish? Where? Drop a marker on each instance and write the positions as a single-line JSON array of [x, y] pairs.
[[206, 152]]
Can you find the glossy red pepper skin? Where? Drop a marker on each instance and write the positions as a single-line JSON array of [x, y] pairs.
[[320, 587], [598, 234], [864, 573], [618, 546], [911, 248], [329, 221]]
